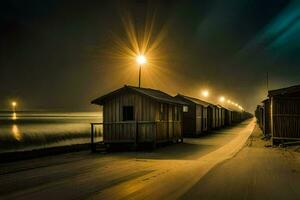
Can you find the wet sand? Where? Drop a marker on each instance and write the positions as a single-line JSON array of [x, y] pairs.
[[166, 173]]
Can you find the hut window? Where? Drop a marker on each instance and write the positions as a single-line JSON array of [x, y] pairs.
[[128, 113], [185, 109]]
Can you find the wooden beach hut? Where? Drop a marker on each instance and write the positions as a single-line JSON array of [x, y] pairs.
[[259, 114], [140, 115], [214, 120], [217, 116], [235, 117], [266, 119], [222, 115], [196, 115], [284, 105], [228, 118]]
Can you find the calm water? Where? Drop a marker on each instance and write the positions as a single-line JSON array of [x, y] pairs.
[[32, 130]]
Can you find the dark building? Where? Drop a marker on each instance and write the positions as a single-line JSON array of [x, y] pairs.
[[197, 116], [284, 105]]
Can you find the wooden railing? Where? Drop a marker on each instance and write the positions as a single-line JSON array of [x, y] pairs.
[[96, 134], [132, 131]]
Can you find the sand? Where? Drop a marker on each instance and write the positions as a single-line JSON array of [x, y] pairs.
[[166, 173]]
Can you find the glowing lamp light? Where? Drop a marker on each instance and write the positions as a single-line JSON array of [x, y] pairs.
[[141, 59], [222, 99], [205, 93], [14, 104]]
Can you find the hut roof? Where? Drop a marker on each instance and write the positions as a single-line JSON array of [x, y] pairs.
[[152, 93], [265, 100], [283, 91], [195, 100], [225, 107]]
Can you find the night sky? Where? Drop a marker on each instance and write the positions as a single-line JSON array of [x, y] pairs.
[[59, 54]]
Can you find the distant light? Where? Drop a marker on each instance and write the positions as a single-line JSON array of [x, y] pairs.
[[222, 99], [14, 104], [141, 59], [205, 93], [14, 116]]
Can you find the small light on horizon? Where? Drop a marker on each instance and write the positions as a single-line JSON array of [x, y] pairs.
[[140, 59], [14, 104], [14, 116]]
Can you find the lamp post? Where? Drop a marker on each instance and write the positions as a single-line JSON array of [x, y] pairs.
[[14, 104], [140, 60]]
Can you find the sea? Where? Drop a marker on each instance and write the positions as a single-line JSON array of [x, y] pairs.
[[21, 131]]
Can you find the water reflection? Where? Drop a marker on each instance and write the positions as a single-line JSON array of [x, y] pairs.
[[14, 116], [16, 133]]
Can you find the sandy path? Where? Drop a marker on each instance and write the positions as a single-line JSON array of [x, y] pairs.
[[256, 172]]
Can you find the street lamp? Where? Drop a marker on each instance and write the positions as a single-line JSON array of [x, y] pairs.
[[140, 59], [222, 99], [14, 104], [205, 93]]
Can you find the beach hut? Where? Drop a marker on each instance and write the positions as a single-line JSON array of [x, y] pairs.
[[223, 115], [266, 118], [214, 119], [228, 118], [221, 119], [196, 115], [140, 115], [235, 116], [259, 114], [217, 116], [284, 105]]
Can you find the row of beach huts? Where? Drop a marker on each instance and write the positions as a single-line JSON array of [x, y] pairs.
[[134, 115], [279, 115]]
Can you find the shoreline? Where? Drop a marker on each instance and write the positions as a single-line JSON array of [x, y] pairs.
[[41, 152]]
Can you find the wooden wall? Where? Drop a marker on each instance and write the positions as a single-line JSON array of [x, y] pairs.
[[267, 117], [204, 119], [152, 126], [286, 117], [210, 118], [198, 119], [228, 117]]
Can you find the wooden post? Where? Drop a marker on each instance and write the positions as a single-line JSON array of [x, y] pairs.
[[154, 139], [140, 69], [92, 138], [136, 135]]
